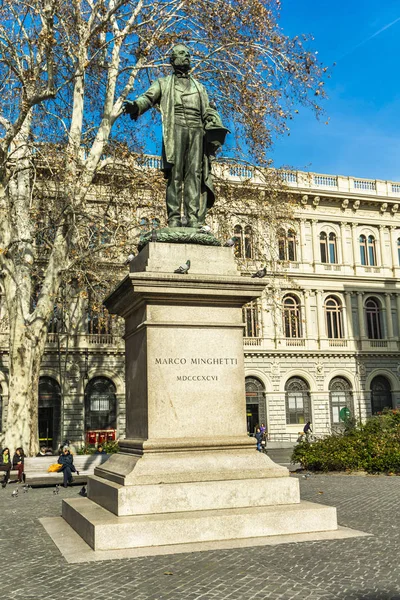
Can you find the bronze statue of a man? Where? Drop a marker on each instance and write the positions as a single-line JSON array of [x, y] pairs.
[[192, 132]]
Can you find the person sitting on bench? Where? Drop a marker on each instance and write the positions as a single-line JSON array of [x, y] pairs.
[[5, 465], [67, 461]]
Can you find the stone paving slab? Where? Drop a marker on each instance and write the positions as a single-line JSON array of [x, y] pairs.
[[363, 568]]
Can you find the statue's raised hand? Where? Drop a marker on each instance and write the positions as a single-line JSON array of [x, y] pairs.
[[131, 109]]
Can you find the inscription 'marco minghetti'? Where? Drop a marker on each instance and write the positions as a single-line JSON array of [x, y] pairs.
[[196, 361]]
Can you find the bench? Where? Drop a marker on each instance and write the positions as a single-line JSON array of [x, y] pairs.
[[36, 473]]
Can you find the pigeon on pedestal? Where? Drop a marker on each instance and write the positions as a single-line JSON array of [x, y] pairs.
[[129, 259], [183, 269], [231, 242]]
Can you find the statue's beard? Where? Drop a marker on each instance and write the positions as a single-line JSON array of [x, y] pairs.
[[183, 67]]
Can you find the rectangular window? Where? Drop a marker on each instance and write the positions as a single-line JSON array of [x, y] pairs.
[[100, 404]]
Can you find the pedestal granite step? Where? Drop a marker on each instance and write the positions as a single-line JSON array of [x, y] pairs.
[[102, 530]]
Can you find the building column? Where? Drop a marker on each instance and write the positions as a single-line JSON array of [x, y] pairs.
[[389, 319], [398, 313], [383, 262], [356, 246], [302, 240], [361, 317], [315, 243], [320, 315], [309, 332], [349, 315], [343, 242], [393, 248]]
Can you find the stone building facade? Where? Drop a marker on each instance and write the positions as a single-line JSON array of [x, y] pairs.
[[327, 348], [322, 344]]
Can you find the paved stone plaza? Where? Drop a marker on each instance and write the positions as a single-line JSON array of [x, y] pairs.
[[359, 568]]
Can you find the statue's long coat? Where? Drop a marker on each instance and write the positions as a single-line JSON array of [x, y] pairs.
[[161, 92]]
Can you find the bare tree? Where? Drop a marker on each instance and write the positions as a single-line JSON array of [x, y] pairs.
[[66, 67]]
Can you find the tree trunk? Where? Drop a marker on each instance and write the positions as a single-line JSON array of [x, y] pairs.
[[26, 352]]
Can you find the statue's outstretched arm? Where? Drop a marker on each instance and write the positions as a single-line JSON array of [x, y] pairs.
[[151, 97]]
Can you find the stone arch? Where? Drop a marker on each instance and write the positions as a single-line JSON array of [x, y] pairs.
[[303, 374]]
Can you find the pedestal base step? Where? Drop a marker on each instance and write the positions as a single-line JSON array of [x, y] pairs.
[[102, 530]]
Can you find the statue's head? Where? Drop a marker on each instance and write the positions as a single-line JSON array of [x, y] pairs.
[[180, 58]]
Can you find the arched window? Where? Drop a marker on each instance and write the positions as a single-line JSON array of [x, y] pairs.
[[287, 245], [238, 234], [255, 403], [334, 318], [323, 244], [341, 398], [100, 404], [368, 250], [381, 394], [251, 320], [248, 242], [297, 401], [99, 320], [244, 247], [332, 248], [292, 317], [49, 412], [282, 244], [56, 320], [363, 250], [374, 319], [327, 245], [371, 250]]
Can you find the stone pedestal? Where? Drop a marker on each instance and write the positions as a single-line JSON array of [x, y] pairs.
[[187, 471]]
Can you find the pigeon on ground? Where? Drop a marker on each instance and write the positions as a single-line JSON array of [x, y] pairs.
[[204, 229], [82, 492], [14, 493], [154, 235], [25, 489], [56, 490], [129, 259], [231, 242], [261, 273], [183, 269]]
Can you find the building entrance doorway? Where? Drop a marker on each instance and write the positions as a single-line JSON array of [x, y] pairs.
[[49, 412], [255, 404]]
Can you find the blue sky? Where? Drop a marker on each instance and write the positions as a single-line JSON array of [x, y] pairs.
[[363, 135]]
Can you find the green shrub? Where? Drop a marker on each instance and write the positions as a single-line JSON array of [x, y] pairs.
[[109, 447], [373, 446]]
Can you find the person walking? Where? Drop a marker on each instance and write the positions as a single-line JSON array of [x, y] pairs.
[[5, 465], [67, 461], [259, 437], [18, 464]]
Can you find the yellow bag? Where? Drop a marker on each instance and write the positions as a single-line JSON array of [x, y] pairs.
[[54, 468]]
